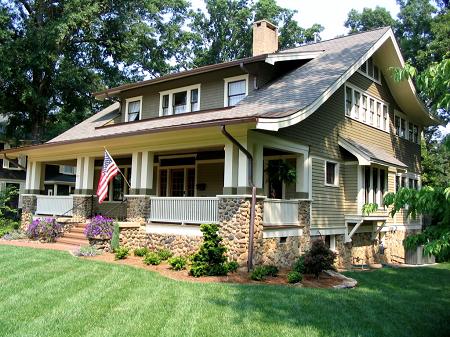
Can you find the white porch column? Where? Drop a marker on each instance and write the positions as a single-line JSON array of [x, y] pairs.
[[136, 169], [87, 181], [230, 178], [147, 172], [79, 174], [258, 165], [302, 168], [36, 173], [243, 183], [28, 175]]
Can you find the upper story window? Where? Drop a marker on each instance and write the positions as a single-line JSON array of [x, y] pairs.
[[370, 70], [365, 108], [331, 173], [133, 109], [180, 100], [13, 164], [236, 88], [405, 129]]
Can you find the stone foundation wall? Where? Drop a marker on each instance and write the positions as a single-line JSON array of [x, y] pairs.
[[282, 255], [28, 209], [234, 217], [84, 207], [138, 208], [364, 250], [179, 245]]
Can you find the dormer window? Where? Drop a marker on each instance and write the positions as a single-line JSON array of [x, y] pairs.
[[236, 88], [133, 109], [370, 70], [180, 100]]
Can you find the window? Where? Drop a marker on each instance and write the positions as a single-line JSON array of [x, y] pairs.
[[402, 128], [375, 185], [406, 129], [133, 109], [382, 186], [367, 184], [118, 188], [180, 100], [416, 134], [331, 173], [397, 126], [236, 88], [397, 183], [370, 70], [365, 108], [66, 169], [410, 132]]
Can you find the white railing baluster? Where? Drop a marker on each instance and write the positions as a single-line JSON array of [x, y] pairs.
[[280, 212], [189, 210], [54, 205]]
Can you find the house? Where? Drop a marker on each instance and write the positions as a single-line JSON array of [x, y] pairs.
[[193, 144]]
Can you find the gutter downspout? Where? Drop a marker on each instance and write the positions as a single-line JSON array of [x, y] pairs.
[[253, 202]]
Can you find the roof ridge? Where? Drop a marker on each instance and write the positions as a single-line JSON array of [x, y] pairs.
[[336, 38]]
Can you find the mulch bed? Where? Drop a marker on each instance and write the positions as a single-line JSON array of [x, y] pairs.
[[240, 277]]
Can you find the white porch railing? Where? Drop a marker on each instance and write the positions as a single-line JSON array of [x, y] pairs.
[[54, 205], [280, 212], [184, 210]]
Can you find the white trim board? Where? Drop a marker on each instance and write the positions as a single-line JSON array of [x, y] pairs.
[[234, 79], [279, 233], [173, 230]]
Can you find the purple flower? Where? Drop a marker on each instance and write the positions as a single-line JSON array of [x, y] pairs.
[[99, 227], [44, 229]]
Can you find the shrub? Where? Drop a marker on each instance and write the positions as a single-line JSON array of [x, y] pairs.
[[115, 241], [7, 226], [178, 263], [44, 229], [164, 254], [294, 277], [121, 253], [210, 258], [15, 235], [152, 258], [261, 272], [318, 258], [86, 251], [142, 251], [232, 266], [299, 265], [99, 227]]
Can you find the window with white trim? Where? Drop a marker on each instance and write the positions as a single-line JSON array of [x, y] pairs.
[[331, 173], [180, 100], [407, 180], [370, 70], [235, 90], [67, 169], [133, 109], [406, 129], [365, 108], [375, 184]]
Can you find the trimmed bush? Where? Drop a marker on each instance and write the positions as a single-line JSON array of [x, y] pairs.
[[319, 258], [152, 258], [178, 263], [115, 240], [299, 265], [100, 227], [164, 254], [294, 277], [121, 253], [261, 272], [86, 251], [210, 259], [232, 266], [46, 230], [142, 251]]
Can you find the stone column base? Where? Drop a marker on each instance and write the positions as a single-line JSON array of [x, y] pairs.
[[138, 208], [84, 207], [29, 202]]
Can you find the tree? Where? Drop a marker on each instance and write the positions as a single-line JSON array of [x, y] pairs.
[[368, 19], [56, 53], [224, 32]]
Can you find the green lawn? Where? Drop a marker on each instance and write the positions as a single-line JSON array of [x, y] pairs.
[[51, 293]]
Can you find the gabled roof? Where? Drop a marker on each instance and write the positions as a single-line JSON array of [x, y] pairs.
[[368, 154]]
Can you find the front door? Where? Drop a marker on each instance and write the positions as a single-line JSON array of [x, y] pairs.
[[177, 182]]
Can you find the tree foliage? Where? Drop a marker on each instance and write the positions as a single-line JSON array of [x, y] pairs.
[[368, 19], [56, 53]]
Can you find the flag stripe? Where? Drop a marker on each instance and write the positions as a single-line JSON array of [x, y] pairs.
[[109, 171]]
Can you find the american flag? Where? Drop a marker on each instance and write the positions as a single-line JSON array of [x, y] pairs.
[[109, 171]]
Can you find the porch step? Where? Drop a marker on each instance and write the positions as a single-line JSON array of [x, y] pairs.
[[75, 235], [77, 230], [73, 241]]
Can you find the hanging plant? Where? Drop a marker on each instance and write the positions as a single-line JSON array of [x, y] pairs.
[[281, 171]]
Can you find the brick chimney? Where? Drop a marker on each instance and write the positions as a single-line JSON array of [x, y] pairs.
[[265, 37]]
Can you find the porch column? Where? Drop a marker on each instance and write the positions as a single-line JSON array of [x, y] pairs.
[[258, 166], [244, 163], [34, 175], [147, 173], [79, 175], [87, 181], [136, 168], [230, 179], [302, 177]]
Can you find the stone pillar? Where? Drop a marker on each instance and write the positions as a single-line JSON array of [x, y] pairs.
[[304, 217], [28, 209], [84, 207], [138, 208], [234, 220]]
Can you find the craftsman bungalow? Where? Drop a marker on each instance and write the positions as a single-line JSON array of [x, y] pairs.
[[193, 144]]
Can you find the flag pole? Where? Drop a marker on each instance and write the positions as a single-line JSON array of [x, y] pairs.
[[129, 186]]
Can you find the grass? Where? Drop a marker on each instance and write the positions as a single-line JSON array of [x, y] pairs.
[[51, 293]]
